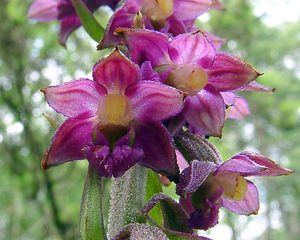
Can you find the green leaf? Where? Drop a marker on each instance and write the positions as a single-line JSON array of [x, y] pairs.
[[88, 21], [153, 186], [91, 224]]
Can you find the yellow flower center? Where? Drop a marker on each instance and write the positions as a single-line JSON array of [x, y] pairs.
[[235, 186], [165, 6], [158, 10], [188, 78], [114, 110]]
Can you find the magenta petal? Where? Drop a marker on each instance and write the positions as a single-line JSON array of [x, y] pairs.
[[44, 11], [121, 18], [205, 112], [206, 214], [116, 73], [114, 163], [193, 176], [245, 167], [147, 72], [249, 205], [181, 161], [257, 87], [176, 26], [253, 164], [204, 220], [147, 45], [239, 109], [186, 204], [228, 97], [215, 40], [74, 98], [230, 73], [185, 10], [68, 141], [67, 26], [155, 141], [237, 106], [192, 48], [154, 101]]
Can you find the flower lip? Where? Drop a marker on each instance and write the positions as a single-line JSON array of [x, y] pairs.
[[188, 78], [158, 10], [234, 185], [115, 110]]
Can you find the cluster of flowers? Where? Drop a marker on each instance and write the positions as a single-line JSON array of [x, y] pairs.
[[169, 82]]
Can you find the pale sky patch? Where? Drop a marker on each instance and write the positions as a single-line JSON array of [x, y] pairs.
[[276, 12]]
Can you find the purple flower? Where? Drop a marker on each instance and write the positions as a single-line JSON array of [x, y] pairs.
[[115, 120], [204, 187], [63, 10], [189, 62], [237, 106], [168, 16]]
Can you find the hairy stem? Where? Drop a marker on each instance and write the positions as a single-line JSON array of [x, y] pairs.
[[127, 197]]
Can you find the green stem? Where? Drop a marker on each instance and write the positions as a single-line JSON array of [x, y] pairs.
[[127, 198], [91, 214]]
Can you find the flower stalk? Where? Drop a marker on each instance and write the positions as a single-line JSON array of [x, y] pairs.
[[91, 214], [127, 198]]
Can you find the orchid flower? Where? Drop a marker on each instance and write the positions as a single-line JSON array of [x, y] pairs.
[[204, 187], [167, 16], [63, 11], [189, 62], [115, 120]]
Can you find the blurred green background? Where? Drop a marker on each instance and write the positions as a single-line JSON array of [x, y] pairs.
[[37, 204]]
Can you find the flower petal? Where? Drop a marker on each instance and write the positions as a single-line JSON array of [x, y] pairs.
[[205, 220], [159, 152], [116, 72], [205, 112], [74, 98], [186, 204], [114, 163], [175, 26], [239, 109], [181, 161], [185, 10], [253, 164], [146, 45], [121, 18], [154, 101], [257, 87], [192, 48], [249, 205], [44, 11], [206, 214], [230, 73], [215, 40], [68, 141], [228, 98], [148, 73], [67, 26], [192, 177]]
